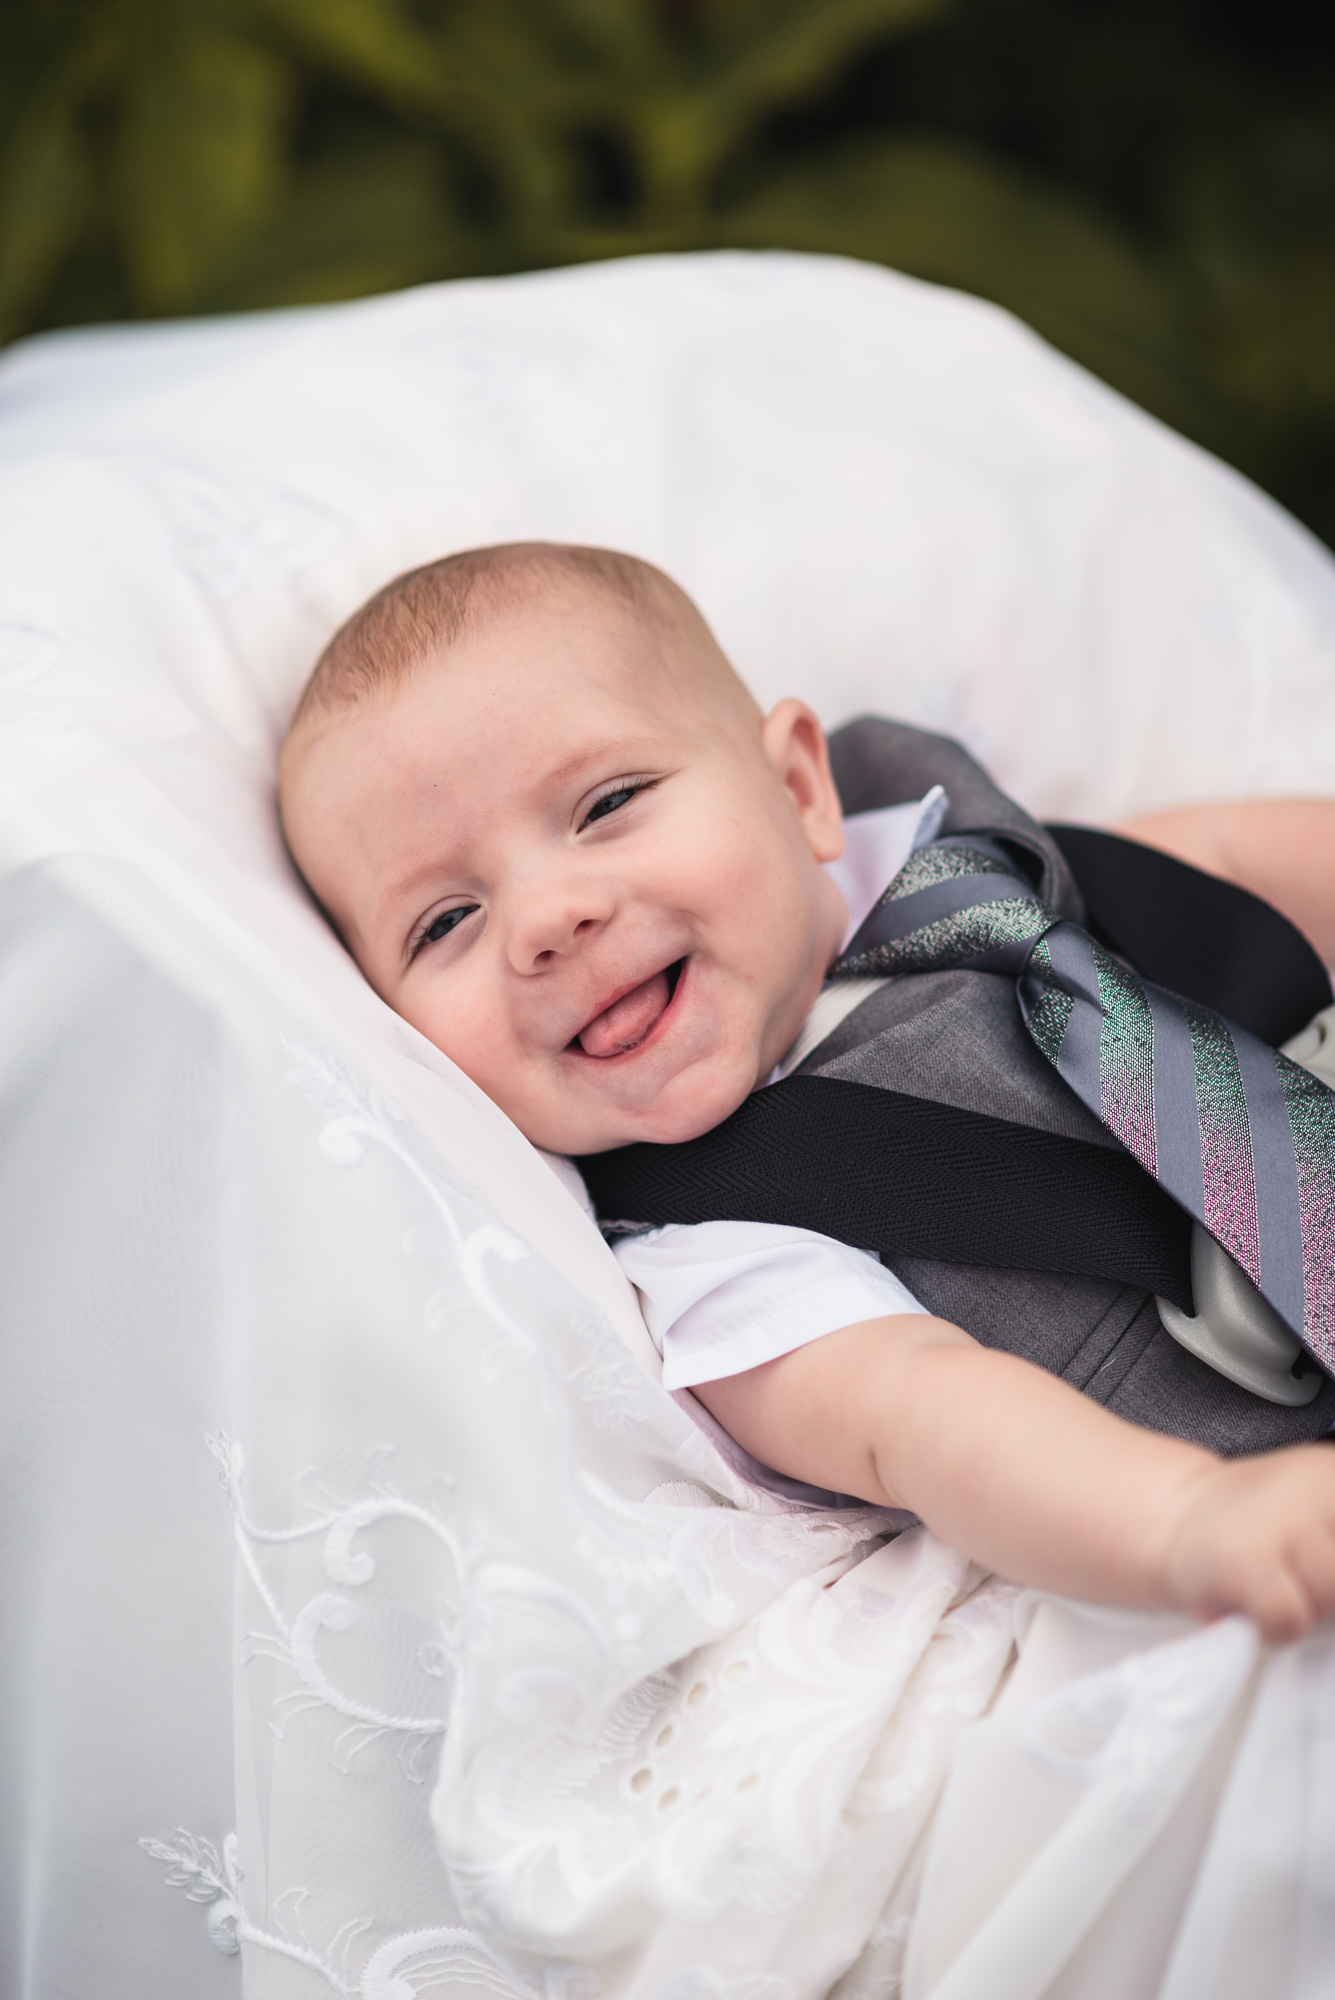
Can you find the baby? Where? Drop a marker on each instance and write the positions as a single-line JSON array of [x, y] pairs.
[[559, 838]]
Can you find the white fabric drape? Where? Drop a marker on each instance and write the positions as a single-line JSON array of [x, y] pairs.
[[374, 1623]]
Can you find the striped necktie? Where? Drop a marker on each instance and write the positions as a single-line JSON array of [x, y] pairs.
[[1242, 1138]]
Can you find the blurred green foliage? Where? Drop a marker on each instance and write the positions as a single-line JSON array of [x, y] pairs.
[[1151, 183]]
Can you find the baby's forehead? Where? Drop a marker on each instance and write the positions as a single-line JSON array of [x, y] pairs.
[[603, 665], [590, 668], [452, 725]]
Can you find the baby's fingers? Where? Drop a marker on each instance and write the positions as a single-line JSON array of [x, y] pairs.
[[1313, 1562], [1289, 1593], [1280, 1605], [1260, 1538]]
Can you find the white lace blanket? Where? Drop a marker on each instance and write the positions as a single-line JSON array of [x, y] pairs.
[[374, 1624]]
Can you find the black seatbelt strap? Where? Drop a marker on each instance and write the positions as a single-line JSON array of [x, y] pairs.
[[1196, 934], [901, 1175]]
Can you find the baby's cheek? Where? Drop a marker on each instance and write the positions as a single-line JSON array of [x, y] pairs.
[[526, 1097], [464, 1033]]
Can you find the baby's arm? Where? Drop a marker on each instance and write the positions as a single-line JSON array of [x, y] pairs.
[[1281, 849], [1031, 1478]]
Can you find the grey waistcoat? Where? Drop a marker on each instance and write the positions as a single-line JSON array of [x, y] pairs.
[[957, 1038]]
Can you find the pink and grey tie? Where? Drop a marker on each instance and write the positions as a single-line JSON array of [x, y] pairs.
[[1242, 1138]]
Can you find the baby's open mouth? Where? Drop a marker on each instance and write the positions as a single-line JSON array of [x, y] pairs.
[[625, 1024]]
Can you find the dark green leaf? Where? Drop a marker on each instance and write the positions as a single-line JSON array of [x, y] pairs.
[[370, 220], [201, 146], [44, 184]]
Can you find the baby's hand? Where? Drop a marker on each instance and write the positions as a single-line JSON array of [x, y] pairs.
[[1257, 1535]]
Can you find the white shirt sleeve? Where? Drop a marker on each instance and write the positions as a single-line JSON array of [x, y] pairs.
[[721, 1297]]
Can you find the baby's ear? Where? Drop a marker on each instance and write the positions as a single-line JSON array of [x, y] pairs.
[[794, 743]]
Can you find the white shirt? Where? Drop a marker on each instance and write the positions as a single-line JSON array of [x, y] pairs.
[[721, 1297]]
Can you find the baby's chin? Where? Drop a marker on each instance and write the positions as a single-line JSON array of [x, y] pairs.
[[683, 1110]]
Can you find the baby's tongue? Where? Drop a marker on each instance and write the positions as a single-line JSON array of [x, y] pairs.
[[628, 1020]]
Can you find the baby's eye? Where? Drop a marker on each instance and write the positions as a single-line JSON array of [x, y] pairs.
[[441, 926], [612, 802]]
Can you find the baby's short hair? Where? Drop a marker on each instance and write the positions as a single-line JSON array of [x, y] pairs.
[[425, 609]]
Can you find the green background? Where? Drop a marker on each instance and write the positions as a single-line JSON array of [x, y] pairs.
[[1149, 183]]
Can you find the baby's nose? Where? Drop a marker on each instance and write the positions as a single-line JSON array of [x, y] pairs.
[[555, 923], [579, 928]]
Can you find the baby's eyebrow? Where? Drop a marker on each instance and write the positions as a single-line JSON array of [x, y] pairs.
[[415, 882], [600, 752]]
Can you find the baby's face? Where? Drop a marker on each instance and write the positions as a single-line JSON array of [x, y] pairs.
[[592, 884]]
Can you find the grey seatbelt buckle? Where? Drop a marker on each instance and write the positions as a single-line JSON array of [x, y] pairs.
[[1236, 1333]]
